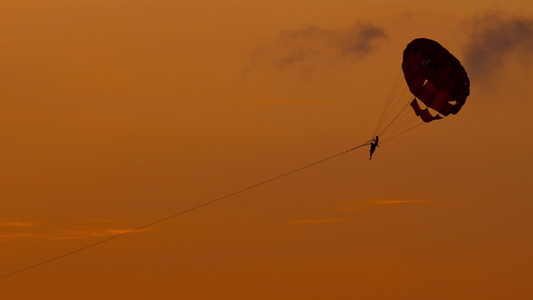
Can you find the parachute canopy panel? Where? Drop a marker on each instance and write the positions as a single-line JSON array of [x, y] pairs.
[[435, 77]]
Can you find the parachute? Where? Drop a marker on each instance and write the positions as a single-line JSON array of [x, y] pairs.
[[436, 79]]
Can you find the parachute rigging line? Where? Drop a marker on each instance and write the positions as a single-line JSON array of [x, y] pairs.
[[397, 101], [395, 116], [181, 212], [394, 119], [406, 130], [387, 110]]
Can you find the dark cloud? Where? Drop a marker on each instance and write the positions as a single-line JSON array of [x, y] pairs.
[[307, 32], [313, 42], [310, 45], [495, 39], [362, 39]]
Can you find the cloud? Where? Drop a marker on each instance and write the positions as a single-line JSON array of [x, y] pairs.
[[9, 222], [64, 235], [386, 202], [27, 231], [318, 221], [362, 39], [367, 205], [89, 233], [496, 38], [358, 207], [286, 101], [10, 237], [308, 43], [312, 44]]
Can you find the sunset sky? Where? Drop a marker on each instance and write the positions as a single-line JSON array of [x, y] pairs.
[[115, 114]]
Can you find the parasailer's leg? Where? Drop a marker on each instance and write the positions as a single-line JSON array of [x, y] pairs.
[[373, 146]]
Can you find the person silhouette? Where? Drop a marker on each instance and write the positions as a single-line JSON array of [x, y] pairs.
[[373, 145]]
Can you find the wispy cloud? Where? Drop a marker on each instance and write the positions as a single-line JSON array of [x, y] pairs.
[[9, 222], [16, 230], [90, 232], [496, 38], [362, 39], [54, 235], [386, 202], [21, 236], [360, 206], [367, 205], [311, 44], [287, 101], [324, 221]]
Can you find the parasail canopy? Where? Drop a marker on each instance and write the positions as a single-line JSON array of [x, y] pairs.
[[436, 78]]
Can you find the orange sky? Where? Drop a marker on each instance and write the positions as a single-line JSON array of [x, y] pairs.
[[115, 114]]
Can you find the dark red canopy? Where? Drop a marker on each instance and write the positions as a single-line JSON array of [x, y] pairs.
[[436, 78]]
